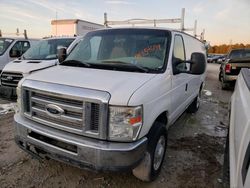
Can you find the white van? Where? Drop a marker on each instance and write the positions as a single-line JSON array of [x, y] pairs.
[[40, 56], [12, 48], [109, 104], [236, 171]]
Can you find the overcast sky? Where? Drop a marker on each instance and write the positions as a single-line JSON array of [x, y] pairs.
[[223, 20]]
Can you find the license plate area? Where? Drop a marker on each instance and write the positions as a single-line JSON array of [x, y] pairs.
[[53, 142]]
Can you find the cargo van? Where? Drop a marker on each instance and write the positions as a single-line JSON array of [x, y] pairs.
[[12, 48], [109, 103]]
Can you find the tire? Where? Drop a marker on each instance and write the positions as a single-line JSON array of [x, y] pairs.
[[194, 106], [150, 166], [220, 76], [224, 86], [226, 165]]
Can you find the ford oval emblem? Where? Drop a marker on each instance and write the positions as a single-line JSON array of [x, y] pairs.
[[54, 110], [9, 78]]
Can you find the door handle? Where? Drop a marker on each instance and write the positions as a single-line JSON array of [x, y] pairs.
[[186, 87]]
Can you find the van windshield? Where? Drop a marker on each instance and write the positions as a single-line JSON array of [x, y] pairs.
[[137, 50], [47, 49], [4, 44]]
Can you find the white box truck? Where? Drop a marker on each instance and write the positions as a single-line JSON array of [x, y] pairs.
[[73, 27]]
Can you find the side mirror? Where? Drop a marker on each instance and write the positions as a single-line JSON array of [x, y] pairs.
[[15, 53], [198, 65], [179, 66], [61, 54]]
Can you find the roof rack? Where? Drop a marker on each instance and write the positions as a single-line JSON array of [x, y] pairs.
[[17, 33], [139, 21]]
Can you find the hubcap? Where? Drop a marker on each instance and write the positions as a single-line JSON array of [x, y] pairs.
[[159, 152]]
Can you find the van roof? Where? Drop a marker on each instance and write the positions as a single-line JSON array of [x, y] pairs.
[[153, 28]]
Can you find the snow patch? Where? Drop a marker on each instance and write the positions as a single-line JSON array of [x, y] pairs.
[[8, 108], [208, 93]]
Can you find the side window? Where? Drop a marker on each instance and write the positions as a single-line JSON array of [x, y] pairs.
[[19, 48], [16, 50], [25, 46], [179, 53], [95, 44]]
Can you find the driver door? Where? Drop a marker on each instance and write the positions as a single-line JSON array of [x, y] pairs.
[[180, 81]]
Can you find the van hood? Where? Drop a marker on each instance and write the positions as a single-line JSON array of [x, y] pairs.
[[119, 84], [27, 66]]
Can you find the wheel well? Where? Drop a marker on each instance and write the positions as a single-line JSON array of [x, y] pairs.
[[162, 118], [201, 87]]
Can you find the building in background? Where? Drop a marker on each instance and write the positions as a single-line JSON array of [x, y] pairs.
[[71, 27]]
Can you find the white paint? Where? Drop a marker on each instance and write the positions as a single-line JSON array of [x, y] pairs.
[[26, 68], [239, 132], [156, 92], [5, 58]]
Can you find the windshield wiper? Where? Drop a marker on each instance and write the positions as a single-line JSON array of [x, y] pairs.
[[141, 68], [76, 63]]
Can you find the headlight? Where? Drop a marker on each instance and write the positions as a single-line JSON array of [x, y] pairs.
[[124, 123]]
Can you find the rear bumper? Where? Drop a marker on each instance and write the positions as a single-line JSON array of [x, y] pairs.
[[230, 78], [77, 150]]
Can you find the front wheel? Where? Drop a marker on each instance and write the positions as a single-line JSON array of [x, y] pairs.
[[150, 166], [220, 76]]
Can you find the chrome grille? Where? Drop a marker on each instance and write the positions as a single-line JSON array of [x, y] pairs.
[[79, 116], [95, 110], [10, 79]]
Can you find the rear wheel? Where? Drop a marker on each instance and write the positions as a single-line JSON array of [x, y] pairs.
[[150, 166], [224, 85], [194, 106]]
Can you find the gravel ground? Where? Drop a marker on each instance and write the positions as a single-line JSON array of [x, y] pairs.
[[194, 155]]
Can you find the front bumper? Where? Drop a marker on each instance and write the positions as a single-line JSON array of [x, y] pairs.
[[83, 152], [8, 92]]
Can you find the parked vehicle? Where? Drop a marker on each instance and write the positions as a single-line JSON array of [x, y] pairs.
[[231, 67], [237, 151], [71, 27], [109, 104], [213, 58], [40, 56], [221, 59], [12, 48]]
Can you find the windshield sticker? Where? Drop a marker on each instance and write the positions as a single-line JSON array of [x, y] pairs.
[[146, 51]]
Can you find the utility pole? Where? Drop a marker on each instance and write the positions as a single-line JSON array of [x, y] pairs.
[[195, 28], [105, 20], [56, 23], [182, 19]]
